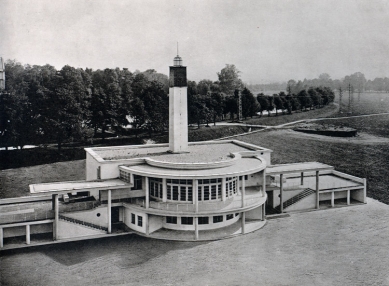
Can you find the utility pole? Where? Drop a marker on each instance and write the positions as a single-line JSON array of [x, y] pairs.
[[239, 106]]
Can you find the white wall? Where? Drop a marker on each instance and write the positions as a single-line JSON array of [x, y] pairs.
[[304, 204], [178, 119], [358, 195], [255, 179], [91, 167], [127, 220], [71, 230], [255, 213], [155, 222]]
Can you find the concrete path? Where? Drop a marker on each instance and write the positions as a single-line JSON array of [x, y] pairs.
[[280, 126]]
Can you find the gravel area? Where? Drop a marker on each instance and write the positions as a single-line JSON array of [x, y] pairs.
[[340, 246]]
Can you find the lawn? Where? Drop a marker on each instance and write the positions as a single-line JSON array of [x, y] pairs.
[[369, 160]]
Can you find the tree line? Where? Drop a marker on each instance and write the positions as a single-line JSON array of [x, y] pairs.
[[42, 105], [357, 81]]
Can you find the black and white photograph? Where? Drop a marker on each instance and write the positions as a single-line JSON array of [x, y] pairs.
[[194, 142]]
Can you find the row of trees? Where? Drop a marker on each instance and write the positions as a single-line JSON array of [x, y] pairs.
[[306, 99], [357, 80], [43, 105]]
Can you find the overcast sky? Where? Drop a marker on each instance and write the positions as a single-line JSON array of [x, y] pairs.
[[267, 40]]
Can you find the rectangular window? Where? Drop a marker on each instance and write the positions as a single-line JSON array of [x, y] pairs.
[[230, 216], [137, 183], [200, 196], [213, 192], [169, 192], [182, 193], [203, 220], [175, 193], [219, 191], [140, 220], [132, 218], [218, 218], [206, 193], [99, 172], [171, 219], [190, 194], [246, 177], [187, 220]]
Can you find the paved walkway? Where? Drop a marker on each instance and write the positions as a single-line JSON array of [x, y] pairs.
[[280, 126]]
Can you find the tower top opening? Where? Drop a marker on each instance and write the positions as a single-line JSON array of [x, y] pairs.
[[177, 60]]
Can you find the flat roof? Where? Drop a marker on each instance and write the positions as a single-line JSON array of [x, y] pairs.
[[198, 152], [72, 186], [242, 167], [297, 167]]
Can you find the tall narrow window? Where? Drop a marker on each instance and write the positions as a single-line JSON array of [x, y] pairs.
[[140, 220], [133, 218]]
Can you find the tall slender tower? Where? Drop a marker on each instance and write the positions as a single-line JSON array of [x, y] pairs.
[[178, 107], [2, 74]]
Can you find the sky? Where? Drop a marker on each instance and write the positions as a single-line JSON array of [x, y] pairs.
[[267, 40]]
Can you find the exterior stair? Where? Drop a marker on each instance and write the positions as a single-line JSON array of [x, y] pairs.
[[84, 223], [307, 192]]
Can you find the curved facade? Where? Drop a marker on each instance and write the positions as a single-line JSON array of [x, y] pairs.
[[175, 196]]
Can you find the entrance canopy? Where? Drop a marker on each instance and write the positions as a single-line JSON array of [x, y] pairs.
[[77, 186], [297, 168]]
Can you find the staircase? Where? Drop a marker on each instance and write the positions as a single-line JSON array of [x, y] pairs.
[[307, 192], [83, 223]]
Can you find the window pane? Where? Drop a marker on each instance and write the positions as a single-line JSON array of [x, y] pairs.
[[187, 220], [182, 193], [204, 220], [175, 193], [171, 219], [132, 218], [206, 193], [169, 192]]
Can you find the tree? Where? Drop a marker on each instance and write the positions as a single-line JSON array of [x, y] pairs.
[[263, 102], [315, 97], [249, 104], [270, 105], [303, 99], [217, 105], [204, 86], [66, 106], [278, 103], [107, 102], [229, 80], [231, 106], [198, 110], [357, 80]]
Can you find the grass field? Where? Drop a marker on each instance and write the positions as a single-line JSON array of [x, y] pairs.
[[364, 103]]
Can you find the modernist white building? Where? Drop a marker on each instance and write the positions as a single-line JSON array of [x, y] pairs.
[[177, 191]]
